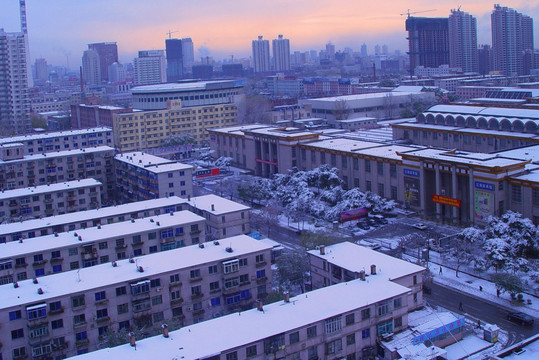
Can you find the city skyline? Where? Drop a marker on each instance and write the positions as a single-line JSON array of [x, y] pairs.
[[308, 25]]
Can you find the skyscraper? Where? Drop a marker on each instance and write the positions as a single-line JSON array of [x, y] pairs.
[[174, 59], [14, 102], [91, 68], [463, 41], [108, 55], [42, 71], [188, 54], [512, 34], [261, 55], [281, 54], [428, 41], [364, 50], [150, 67]]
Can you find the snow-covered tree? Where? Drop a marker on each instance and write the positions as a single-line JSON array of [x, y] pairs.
[[293, 269], [206, 155], [223, 162]]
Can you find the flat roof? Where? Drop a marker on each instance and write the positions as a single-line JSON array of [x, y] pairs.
[[58, 153], [12, 249], [465, 157], [193, 342], [363, 147], [288, 132], [105, 275], [184, 87], [367, 96], [29, 137], [82, 216], [150, 162], [44, 189], [220, 205], [239, 128], [485, 111], [356, 258]]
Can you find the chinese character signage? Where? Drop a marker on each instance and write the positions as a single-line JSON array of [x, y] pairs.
[[439, 331], [484, 186]]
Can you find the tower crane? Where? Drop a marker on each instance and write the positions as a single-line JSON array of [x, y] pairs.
[[415, 12], [169, 33]]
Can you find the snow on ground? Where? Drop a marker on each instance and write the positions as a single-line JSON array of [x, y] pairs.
[[467, 346]]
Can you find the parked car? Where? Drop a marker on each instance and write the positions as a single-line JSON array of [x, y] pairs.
[[520, 318], [363, 225], [420, 226]]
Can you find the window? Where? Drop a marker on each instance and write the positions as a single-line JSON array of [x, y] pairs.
[[141, 305], [141, 287], [294, 337], [15, 315], [196, 290], [157, 300], [214, 286], [232, 356], [380, 168], [312, 353], [177, 312], [195, 274], [55, 254], [77, 301], [81, 336], [351, 339], [216, 301], [311, 332], [383, 308], [368, 185], [350, 319], [19, 353], [122, 308], [250, 351], [79, 319], [155, 283], [367, 166], [17, 334], [123, 325], [244, 278], [261, 274], [243, 262], [365, 314], [333, 324], [385, 327], [55, 306], [100, 295], [516, 193], [158, 316], [175, 295], [398, 321], [122, 290], [73, 251], [259, 258], [273, 343], [535, 196], [231, 266], [175, 278], [397, 303], [102, 313], [36, 311], [212, 269], [366, 333], [57, 324], [334, 346]]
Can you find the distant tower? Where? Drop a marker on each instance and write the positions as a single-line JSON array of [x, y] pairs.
[[188, 54], [364, 50], [24, 31], [281, 54], [150, 67], [512, 35], [174, 59], [91, 68], [377, 49], [42, 70], [261, 55], [330, 49], [108, 55], [463, 53], [117, 73], [428, 41], [385, 50]]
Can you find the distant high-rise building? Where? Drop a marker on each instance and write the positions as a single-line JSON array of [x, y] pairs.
[[174, 59], [376, 49], [188, 54], [117, 73], [14, 83], [486, 60], [108, 55], [512, 34], [463, 41], [150, 67], [91, 68], [330, 50], [281, 54], [261, 55], [428, 41], [385, 50], [364, 50], [42, 70]]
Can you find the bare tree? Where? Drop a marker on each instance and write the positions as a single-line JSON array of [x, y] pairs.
[[253, 109], [341, 110]]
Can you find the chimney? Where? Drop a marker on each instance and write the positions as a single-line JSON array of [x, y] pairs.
[[132, 339], [373, 269], [259, 305], [286, 295], [322, 250], [164, 328], [362, 275], [40, 291], [212, 207]]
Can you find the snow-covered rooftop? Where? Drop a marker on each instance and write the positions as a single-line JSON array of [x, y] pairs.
[[44, 189], [289, 132], [462, 157], [57, 154], [186, 86], [24, 138], [238, 129], [485, 111], [193, 342], [83, 216], [150, 162], [356, 258], [216, 205], [100, 276], [366, 148], [368, 96], [38, 244]]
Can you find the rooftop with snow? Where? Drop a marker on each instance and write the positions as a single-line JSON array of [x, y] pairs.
[[23, 138], [150, 162], [216, 205], [194, 342], [45, 189], [103, 275], [56, 154], [185, 86]]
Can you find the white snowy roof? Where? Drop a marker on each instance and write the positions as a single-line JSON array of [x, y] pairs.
[[238, 129], [193, 342], [355, 258], [524, 153], [82, 216], [150, 162], [485, 111], [104, 275], [463, 157], [220, 204], [58, 153], [289, 132], [367, 148], [24, 138], [187, 86], [44, 189], [122, 229], [359, 97]]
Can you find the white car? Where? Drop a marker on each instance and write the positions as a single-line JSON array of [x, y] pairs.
[[420, 226]]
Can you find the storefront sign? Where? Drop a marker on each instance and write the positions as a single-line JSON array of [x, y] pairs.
[[440, 199]]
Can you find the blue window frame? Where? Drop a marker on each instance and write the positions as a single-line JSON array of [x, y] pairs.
[[216, 301], [56, 268], [365, 333], [36, 312], [39, 272], [261, 273], [100, 296], [15, 315]]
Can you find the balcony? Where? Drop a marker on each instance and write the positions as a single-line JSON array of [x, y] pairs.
[[103, 319], [89, 255], [19, 265], [260, 264], [57, 311], [38, 263], [199, 278], [174, 285], [177, 301], [198, 312], [197, 295], [79, 324], [82, 343], [57, 260], [48, 201], [194, 232], [261, 280]]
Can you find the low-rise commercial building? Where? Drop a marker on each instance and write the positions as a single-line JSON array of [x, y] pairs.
[[86, 116], [71, 313], [141, 176], [48, 200], [50, 254]]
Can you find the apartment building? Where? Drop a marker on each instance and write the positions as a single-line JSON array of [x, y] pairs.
[[224, 217], [62, 140], [48, 200], [18, 170], [347, 261], [87, 116], [342, 321], [70, 313], [84, 219], [141, 176], [140, 130], [49, 254]]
